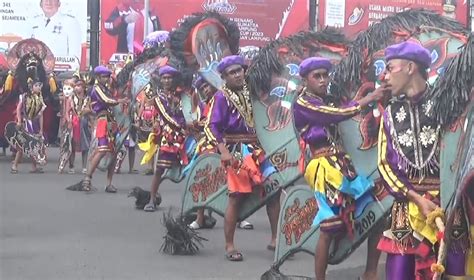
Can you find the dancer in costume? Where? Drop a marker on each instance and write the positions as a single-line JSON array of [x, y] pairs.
[[29, 113], [172, 129], [330, 172], [79, 116], [408, 161], [147, 116], [230, 128], [105, 131], [206, 91]]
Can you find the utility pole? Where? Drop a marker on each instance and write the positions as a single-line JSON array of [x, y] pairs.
[[147, 18], [94, 12], [313, 13]]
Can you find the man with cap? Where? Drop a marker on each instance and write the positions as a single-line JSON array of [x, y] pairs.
[[408, 161], [230, 127], [101, 103], [330, 172], [171, 126], [206, 91]]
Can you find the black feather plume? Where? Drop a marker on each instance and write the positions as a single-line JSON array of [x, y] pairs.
[[452, 91], [179, 238]]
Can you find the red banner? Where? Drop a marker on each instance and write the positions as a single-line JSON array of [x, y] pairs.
[[356, 16], [259, 21]]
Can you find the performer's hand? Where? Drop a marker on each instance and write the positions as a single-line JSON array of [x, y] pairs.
[[426, 206], [381, 92], [131, 17], [227, 158], [123, 100]]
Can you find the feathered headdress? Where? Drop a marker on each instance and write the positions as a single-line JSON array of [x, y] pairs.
[[202, 40]]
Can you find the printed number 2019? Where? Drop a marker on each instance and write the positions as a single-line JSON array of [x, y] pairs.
[[366, 222]]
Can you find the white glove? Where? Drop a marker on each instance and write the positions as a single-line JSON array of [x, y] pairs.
[[132, 16]]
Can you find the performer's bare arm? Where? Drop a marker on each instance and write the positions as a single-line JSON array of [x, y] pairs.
[[19, 117], [41, 123]]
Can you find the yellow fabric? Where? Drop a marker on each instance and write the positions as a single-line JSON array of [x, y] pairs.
[[470, 255], [52, 84], [319, 172], [8, 86], [418, 222], [149, 147]]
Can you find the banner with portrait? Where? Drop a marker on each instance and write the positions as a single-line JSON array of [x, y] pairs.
[[60, 24], [259, 21]]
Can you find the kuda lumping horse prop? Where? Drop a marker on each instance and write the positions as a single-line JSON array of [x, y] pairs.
[[356, 76]]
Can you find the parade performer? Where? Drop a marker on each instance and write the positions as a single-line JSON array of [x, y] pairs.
[[105, 130], [205, 92], [230, 128], [146, 117], [330, 172], [79, 121], [408, 161], [171, 127], [29, 113]]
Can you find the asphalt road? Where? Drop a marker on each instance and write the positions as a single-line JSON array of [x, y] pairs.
[[47, 232]]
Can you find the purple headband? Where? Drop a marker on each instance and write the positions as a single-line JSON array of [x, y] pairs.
[[229, 61], [102, 70], [409, 51], [167, 70], [313, 63]]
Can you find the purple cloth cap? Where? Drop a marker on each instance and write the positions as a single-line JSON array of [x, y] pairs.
[[167, 70], [313, 63], [229, 61], [200, 81], [409, 51], [102, 70]]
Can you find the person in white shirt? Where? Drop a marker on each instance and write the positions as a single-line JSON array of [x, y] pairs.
[[60, 32]]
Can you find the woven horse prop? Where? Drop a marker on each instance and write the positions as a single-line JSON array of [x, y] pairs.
[[359, 135]]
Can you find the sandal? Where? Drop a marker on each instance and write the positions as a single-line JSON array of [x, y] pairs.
[[150, 207], [37, 171], [13, 171], [110, 189], [148, 172], [234, 256], [245, 225], [86, 184], [271, 248], [194, 225]]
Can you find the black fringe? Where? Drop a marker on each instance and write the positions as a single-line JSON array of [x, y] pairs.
[[267, 63], [348, 73], [180, 239], [452, 91], [275, 274], [178, 36]]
